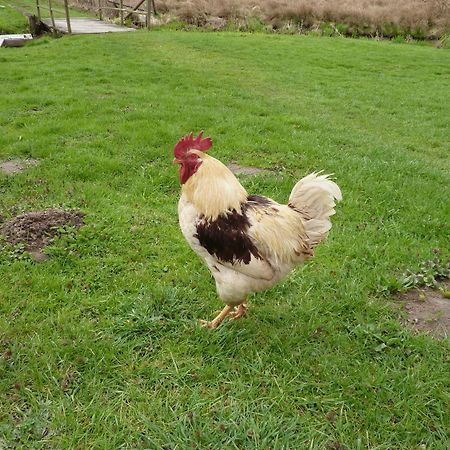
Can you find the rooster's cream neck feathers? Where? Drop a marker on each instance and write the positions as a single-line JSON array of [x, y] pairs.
[[213, 189]]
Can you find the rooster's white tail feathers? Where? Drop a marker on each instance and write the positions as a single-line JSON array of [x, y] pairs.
[[315, 196]]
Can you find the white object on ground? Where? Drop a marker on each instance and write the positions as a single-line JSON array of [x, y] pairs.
[[14, 40]]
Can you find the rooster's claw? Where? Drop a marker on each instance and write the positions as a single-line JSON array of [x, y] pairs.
[[206, 324]]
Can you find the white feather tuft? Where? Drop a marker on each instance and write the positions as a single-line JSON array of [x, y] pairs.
[[315, 197]]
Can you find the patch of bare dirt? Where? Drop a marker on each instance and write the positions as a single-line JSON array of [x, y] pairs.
[[237, 169], [36, 229], [14, 166], [427, 310]]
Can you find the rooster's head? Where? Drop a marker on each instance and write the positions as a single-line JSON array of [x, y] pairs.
[[186, 154]]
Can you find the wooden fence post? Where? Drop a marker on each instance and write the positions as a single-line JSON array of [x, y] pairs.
[[38, 9], [100, 13], [121, 11], [148, 14], [51, 15], [66, 7]]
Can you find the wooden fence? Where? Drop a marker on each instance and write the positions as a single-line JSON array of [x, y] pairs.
[[52, 11], [118, 6]]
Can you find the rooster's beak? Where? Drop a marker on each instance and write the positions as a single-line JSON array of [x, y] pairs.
[[176, 161]]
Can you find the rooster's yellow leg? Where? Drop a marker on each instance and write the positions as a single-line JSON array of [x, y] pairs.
[[217, 320], [241, 311]]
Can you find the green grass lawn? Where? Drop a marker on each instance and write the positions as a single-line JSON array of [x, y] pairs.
[[100, 346], [11, 20]]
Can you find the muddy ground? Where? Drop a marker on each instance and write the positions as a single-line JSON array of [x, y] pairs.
[[427, 310], [13, 166], [237, 169]]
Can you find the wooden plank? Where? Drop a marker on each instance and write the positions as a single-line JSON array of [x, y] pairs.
[[84, 25]]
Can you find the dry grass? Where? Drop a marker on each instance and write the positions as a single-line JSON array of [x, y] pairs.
[[420, 18]]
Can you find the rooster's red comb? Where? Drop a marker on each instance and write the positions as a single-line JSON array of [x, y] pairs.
[[188, 142]]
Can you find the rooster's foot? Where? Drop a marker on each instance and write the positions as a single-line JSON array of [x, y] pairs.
[[217, 320], [241, 311]]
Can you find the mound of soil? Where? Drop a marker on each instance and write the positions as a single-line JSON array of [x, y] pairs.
[[36, 229], [427, 310]]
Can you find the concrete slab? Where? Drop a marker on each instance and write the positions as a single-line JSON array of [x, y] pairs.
[[85, 25], [14, 40]]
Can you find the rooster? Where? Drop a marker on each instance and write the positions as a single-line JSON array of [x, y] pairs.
[[248, 242]]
